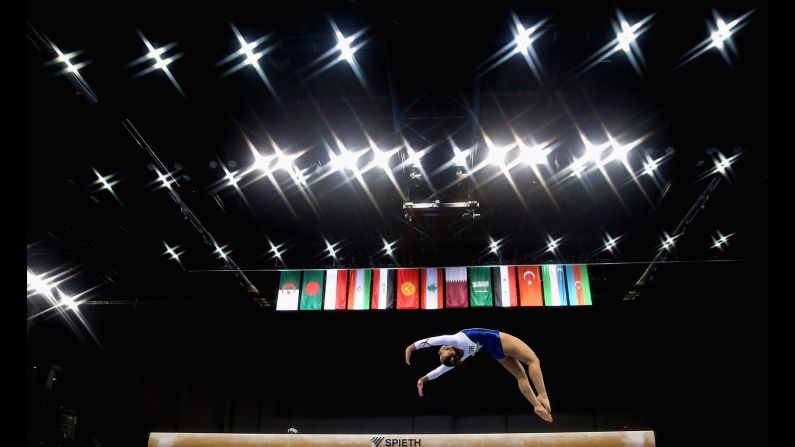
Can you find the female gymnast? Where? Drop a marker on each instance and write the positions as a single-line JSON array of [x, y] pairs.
[[505, 348]]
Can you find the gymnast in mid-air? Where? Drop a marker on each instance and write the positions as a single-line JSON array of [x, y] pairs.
[[511, 352]]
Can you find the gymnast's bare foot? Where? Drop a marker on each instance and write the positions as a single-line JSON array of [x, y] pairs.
[[543, 413], [545, 402]]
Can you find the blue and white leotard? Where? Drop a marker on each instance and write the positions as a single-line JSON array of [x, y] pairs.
[[470, 341]]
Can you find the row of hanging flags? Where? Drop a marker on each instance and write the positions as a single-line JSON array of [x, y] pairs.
[[435, 288]]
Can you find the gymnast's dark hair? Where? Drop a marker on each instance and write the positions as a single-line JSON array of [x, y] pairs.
[[454, 360]]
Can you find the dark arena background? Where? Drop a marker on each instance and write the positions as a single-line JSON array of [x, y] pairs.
[[183, 159]]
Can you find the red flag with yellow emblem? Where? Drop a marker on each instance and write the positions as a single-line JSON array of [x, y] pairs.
[[408, 289]]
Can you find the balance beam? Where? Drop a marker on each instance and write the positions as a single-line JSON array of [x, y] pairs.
[[584, 439]]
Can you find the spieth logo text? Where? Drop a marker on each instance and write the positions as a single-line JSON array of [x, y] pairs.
[[378, 441]]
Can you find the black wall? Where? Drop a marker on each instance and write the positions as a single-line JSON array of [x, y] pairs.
[[691, 366]]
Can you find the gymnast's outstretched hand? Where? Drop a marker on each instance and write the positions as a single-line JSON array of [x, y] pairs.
[[408, 353]]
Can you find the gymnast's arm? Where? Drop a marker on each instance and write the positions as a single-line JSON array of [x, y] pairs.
[[441, 369], [428, 342]]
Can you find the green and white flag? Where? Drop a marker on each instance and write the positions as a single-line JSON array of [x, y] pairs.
[[480, 294], [287, 299]]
